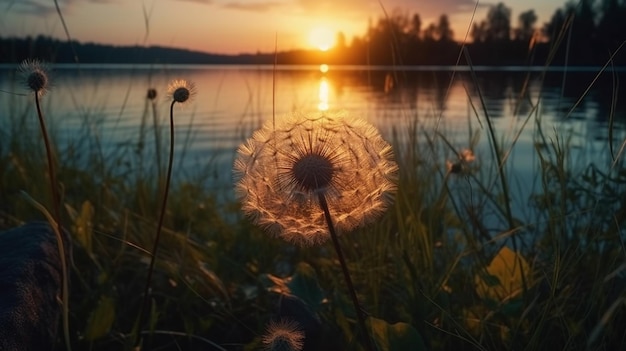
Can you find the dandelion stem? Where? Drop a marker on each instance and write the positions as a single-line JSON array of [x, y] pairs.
[[144, 305], [157, 140], [51, 171], [56, 203], [346, 275]]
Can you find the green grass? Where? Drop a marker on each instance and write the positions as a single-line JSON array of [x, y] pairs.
[[431, 262]]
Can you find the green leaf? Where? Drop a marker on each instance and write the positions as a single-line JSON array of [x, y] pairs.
[[394, 337], [101, 319], [304, 285]]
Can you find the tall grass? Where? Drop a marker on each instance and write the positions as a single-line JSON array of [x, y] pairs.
[[450, 262]]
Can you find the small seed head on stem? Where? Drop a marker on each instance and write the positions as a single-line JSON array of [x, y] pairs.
[[181, 91], [152, 94], [35, 76]]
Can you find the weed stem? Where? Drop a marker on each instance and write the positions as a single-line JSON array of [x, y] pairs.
[[146, 292], [346, 275], [56, 203]]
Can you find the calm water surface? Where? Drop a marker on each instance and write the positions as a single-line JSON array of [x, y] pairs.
[[108, 104]]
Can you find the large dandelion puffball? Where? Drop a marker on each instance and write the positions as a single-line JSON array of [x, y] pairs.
[[283, 170]]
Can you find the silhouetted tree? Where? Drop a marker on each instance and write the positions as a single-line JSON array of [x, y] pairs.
[[416, 27], [555, 28], [611, 29], [340, 40], [430, 33], [479, 32], [579, 31], [497, 26], [498, 23], [526, 22], [443, 31], [584, 19]]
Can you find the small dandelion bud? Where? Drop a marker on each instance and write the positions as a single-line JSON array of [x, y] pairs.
[[467, 156], [152, 94], [462, 164], [284, 335], [181, 90], [35, 76]]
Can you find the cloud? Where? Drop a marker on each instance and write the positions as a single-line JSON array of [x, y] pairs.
[[244, 5], [359, 8], [436, 8], [42, 8], [254, 7], [28, 7], [208, 2]]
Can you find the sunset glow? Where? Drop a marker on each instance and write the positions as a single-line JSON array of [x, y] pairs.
[[234, 27], [322, 38]]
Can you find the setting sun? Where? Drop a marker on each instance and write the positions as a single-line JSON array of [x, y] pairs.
[[322, 38]]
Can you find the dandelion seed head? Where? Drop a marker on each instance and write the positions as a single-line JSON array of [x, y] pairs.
[[181, 90], [283, 335], [35, 76], [281, 171]]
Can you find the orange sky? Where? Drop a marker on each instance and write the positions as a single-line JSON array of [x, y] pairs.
[[230, 27]]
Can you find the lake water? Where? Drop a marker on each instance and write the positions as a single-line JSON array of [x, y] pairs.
[[108, 103]]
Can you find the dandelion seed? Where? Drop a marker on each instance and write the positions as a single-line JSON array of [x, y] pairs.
[[35, 76], [281, 171], [181, 90], [284, 335]]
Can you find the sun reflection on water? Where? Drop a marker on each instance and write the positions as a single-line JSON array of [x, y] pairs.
[[324, 91]]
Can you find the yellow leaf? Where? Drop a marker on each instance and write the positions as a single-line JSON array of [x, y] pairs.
[[502, 280], [84, 227]]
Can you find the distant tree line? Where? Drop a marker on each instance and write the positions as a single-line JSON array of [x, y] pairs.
[[587, 32], [48, 49]]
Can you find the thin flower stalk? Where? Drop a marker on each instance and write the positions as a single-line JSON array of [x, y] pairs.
[[346, 274], [181, 92], [37, 81]]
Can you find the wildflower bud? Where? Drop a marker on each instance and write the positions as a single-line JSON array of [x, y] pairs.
[[461, 165], [35, 75], [152, 94], [181, 90]]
